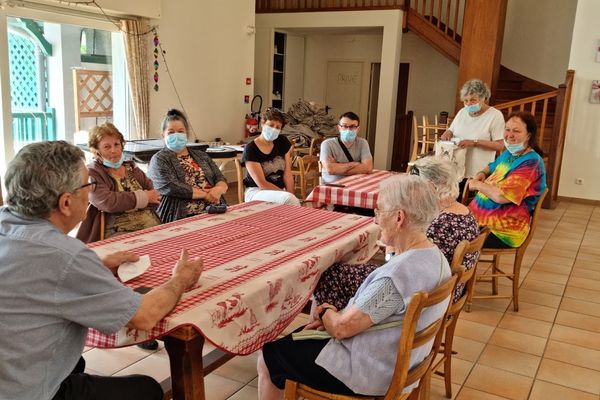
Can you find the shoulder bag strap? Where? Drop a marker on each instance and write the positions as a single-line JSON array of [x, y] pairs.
[[345, 150]]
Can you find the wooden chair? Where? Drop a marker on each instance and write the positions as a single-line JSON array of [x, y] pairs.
[[315, 146], [240, 180], [409, 339], [102, 224], [307, 171], [465, 281], [494, 260]]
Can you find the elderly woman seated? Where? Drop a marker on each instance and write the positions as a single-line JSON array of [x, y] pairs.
[[510, 187], [123, 192], [406, 207], [453, 224]]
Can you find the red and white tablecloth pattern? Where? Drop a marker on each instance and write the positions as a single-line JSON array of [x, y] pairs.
[[261, 264], [355, 191]]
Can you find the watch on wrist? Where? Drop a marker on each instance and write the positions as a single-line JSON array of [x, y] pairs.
[[475, 142], [322, 313]]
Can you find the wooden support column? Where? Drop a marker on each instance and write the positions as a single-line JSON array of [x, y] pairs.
[[481, 46]]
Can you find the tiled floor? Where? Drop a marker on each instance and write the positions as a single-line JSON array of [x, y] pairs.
[[549, 350]]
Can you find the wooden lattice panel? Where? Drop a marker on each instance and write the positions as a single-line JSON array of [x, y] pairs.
[[93, 94]]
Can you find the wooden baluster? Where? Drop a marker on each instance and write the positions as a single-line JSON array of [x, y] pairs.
[[544, 116], [448, 5], [439, 16], [455, 28], [431, 11]]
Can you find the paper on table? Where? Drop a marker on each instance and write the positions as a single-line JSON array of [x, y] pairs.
[[129, 270]]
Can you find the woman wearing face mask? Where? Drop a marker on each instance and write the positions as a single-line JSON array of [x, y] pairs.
[[123, 192], [187, 179], [269, 164], [510, 187], [479, 127]]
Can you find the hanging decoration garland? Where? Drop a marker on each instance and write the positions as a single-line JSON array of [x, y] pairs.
[[156, 52]]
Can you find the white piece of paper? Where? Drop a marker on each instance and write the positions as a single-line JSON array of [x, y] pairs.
[[129, 270]]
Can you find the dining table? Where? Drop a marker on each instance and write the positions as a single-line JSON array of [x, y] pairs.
[[360, 190], [262, 262]]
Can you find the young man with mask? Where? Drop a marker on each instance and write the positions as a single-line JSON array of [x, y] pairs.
[[348, 154]]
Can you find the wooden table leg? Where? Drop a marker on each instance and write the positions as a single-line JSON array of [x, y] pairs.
[[187, 373]]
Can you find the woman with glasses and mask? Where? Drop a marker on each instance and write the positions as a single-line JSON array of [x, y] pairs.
[[478, 126], [348, 154], [510, 187], [268, 163], [187, 179], [123, 192], [453, 224]]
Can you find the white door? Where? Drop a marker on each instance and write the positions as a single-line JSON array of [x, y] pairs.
[[344, 82]]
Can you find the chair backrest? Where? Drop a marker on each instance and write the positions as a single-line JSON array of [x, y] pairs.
[[240, 180], [315, 146], [411, 339], [534, 220]]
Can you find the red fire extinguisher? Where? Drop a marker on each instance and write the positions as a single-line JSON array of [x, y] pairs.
[[253, 118]]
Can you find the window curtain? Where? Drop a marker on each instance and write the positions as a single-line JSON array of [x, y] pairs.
[[136, 56]]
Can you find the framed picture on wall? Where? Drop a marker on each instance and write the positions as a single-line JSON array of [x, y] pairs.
[[595, 93]]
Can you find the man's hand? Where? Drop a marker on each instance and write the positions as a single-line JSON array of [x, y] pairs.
[[463, 144], [188, 271], [114, 260], [447, 135]]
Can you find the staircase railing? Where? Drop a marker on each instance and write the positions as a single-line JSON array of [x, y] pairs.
[[552, 146], [445, 15], [281, 6]]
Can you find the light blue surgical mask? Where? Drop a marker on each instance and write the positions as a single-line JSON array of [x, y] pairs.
[[269, 133], [347, 135], [115, 165], [514, 148], [176, 141], [473, 108]]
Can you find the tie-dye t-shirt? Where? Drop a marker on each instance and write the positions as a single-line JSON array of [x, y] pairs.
[[522, 179]]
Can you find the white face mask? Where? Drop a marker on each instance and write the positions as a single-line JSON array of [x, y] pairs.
[[269, 133]]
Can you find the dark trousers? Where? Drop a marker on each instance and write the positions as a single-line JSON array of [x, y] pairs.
[[80, 386], [493, 242]]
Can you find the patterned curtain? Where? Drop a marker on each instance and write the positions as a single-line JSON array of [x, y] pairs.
[[136, 54]]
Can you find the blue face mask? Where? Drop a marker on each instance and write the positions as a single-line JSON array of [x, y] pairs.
[[176, 141], [473, 108], [269, 133], [514, 148], [348, 135], [115, 165]]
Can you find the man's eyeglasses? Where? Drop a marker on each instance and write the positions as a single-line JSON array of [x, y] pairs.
[[91, 183], [349, 127], [414, 170]]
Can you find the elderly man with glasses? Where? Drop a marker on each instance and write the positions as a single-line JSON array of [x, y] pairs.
[[348, 154], [53, 288]]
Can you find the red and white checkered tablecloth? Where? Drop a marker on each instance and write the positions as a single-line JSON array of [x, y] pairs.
[[261, 264], [354, 191]]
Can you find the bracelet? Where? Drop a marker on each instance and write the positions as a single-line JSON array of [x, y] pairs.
[[481, 172], [323, 311]]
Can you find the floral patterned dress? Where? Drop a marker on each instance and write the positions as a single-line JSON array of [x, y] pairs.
[[341, 281], [194, 176]]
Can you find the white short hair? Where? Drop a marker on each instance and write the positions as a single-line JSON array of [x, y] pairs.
[[413, 195], [442, 173]]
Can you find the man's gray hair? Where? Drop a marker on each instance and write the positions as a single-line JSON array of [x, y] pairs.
[[39, 174], [442, 173], [412, 194], [475, 86]]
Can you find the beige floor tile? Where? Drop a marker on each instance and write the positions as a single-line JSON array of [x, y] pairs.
[[472, 394], [569, 375], [518, 341], [482, 315], [587, 257], [460, 370], [551, 268], [300, 320], [576, 336], [580, 306], [241, 369], [585, 273], [534, 311], [560, 279], [218, 388], [584, 283], [467, 349], [153, 365], [253, 382], [592, 265], [549, 391], [499, 382], [110, 361], [509, 360], [577, 320], [438, 389], [582, 294], [554, 257], [539, 298], [245, 393], [493, 304], [572, 354], [473, 330], [526, 325]]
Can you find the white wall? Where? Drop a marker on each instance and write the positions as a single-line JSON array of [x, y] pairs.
[[144, 8], [209, 55], [432, 78], [537, 38], [582, 149], [322, 48]]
